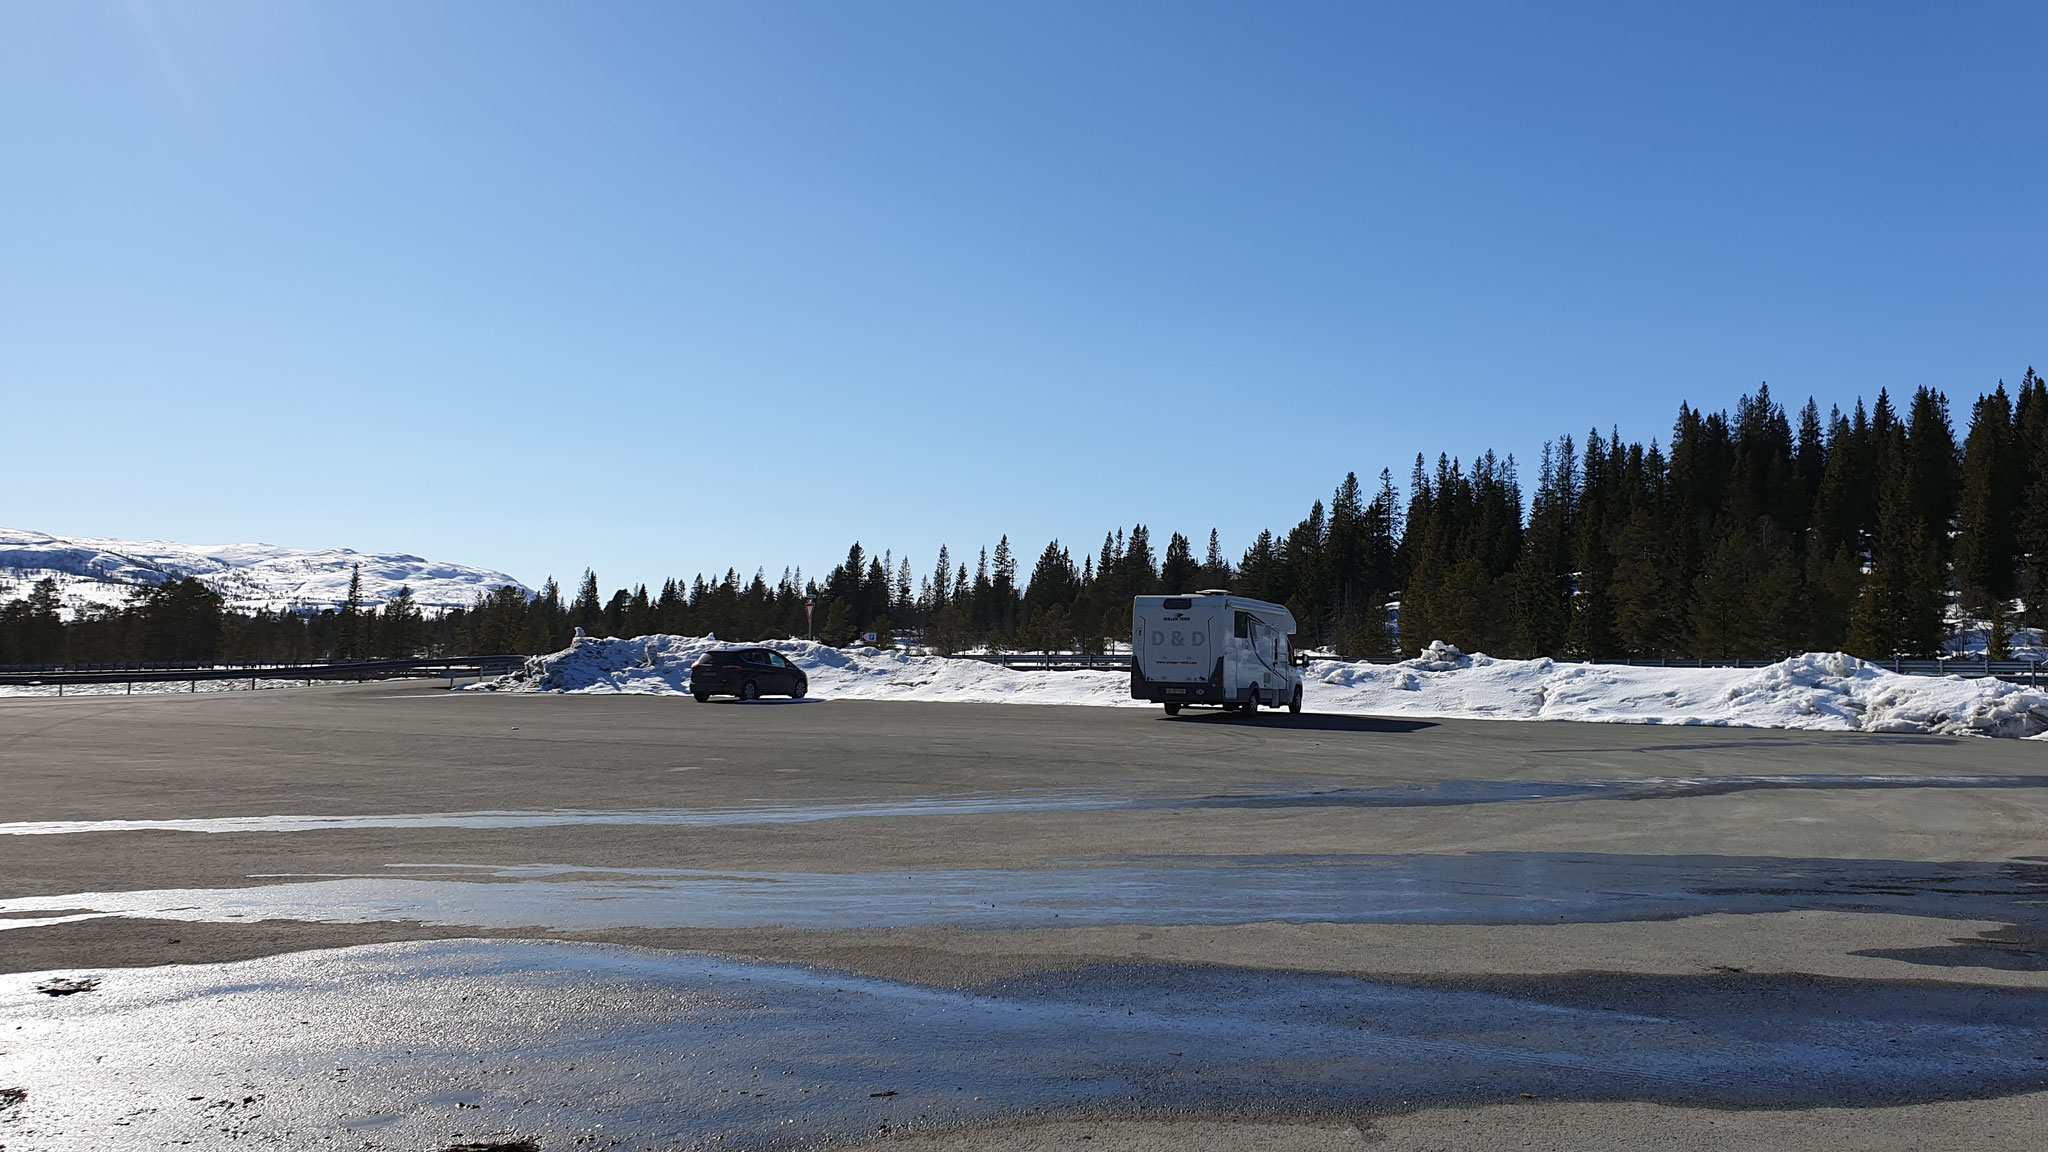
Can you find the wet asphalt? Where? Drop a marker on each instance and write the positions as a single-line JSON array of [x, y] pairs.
[[1024, 918]]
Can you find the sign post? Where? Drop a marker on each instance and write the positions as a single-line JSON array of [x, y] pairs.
[[809, 607]]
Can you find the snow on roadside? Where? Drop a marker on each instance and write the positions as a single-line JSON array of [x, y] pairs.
[[1829, 691], [147, 688], [1815, 691], [660, 665]]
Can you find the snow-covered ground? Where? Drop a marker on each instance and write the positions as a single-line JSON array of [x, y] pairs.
[[1971, 638], [1816, 691], [660, 665], [248, 576], [152, 688]]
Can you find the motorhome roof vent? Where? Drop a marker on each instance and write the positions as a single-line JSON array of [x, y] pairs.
[[1214, 592]]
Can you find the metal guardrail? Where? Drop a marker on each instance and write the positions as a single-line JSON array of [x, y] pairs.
[[2027, 671], [449, 667]]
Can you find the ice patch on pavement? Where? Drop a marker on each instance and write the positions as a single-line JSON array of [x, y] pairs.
[[1824, 691], [478, 1044], [1473, 888]]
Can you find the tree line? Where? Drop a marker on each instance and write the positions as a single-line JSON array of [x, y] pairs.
[[1750, 534]]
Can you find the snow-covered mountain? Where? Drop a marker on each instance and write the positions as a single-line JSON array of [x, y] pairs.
[[248, 576]]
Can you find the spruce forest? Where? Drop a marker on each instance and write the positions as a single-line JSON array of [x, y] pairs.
[[1751, 534]]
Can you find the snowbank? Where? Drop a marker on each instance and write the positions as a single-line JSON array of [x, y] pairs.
[[660, 665], [1821, 691], [1815, 691]]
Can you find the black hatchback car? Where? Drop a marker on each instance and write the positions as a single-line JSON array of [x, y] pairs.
[[748, 673]]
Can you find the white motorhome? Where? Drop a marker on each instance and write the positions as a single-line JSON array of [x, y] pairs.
[[1213, 648]]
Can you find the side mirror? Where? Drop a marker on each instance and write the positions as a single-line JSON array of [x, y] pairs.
[[1300, 660]]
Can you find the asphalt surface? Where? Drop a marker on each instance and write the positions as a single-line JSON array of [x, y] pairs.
[[1722, 876]]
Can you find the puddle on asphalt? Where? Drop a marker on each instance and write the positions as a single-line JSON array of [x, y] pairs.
[[1475, 888], [426, 1045], [1442, 793]]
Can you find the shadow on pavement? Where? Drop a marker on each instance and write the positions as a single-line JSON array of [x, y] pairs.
[[1306, 722]]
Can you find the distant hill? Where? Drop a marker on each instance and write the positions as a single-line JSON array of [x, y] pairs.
[[248, 576]]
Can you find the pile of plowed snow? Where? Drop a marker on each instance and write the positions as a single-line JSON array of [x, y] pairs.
[[1818, 691], [660, 665], [1826, 691]]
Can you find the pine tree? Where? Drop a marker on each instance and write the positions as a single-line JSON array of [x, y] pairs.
[[1834, 577], [1141, 571], [1303, 577], [982, 598], [1422, 561], [1809, 463], [1003, 590], [1838, 522], [1054, 582], [1727, 619], [639, 616], [39, 627], [1987, 543], [1179, 573], [838, 627], [942, 579], [1215, 569], [2030, 421], [1256, 578], [1590, 634], [349, 641], [553, 619], [1647, 605], [399, 626], [671, 610], [588, 611], [536, 635], [1542, 577], [1899, 611], [615, 613], [875, 595], [1932, 466], [1371, 635]]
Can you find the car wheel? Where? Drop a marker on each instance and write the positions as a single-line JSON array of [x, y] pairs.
[[1173, 709], [749, 691], [1251, 704], [802, 686], [701, 696], [1294, 705]]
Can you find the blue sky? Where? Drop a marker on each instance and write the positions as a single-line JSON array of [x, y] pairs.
[[661, 288]]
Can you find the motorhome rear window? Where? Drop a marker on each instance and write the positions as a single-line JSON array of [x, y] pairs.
[[1178, 602]]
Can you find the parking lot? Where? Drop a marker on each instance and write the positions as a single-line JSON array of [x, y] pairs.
[[1018, 925]]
